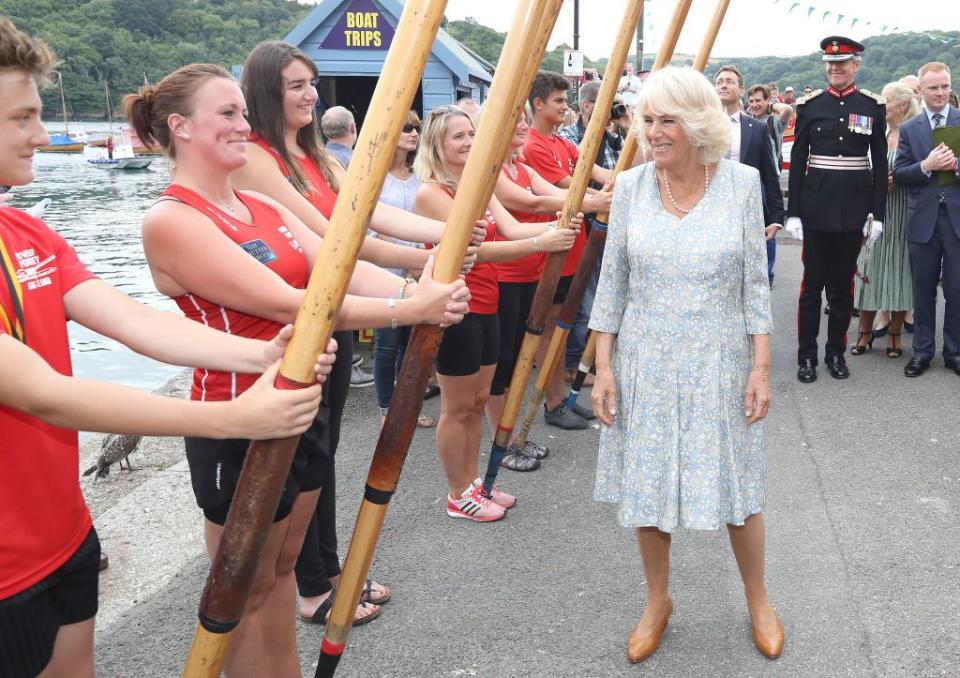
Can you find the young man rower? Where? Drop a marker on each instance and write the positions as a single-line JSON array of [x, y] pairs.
[[50, 555]]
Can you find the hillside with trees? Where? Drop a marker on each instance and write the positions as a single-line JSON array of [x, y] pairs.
[[125, 41], [887, 57]]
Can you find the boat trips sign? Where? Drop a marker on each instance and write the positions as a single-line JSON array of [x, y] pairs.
[[362, 26]]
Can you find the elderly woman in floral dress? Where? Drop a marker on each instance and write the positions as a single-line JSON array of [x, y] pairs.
[[683, 350]]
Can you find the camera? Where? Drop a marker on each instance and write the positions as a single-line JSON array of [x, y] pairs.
[[617, 111]]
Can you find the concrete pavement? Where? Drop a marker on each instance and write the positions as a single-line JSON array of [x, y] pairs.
[[863, 557]]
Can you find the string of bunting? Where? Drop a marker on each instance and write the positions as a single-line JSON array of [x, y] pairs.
[[836, 18]]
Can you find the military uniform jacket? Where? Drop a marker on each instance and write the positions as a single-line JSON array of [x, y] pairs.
[[844, 124]]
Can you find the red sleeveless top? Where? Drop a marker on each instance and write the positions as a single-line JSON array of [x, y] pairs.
[[323, 197], [268, 241], [482, 278], [529, 268]]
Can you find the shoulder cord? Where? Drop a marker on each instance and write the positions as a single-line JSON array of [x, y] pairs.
[[18, 328]]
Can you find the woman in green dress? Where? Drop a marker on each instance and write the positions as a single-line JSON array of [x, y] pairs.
[[886, 266]]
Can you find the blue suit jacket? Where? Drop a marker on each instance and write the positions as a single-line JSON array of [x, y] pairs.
[[756, 150], [916, 142]]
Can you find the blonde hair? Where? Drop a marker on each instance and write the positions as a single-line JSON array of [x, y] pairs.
[[685, 94], [899, 92], [428, 165], [933, 66]]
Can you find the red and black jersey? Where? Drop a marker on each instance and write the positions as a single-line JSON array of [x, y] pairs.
[[267, 240], [43, 517]]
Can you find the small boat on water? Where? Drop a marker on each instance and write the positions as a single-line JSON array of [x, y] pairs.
[[62, 143], [121, 163], [120, 155]]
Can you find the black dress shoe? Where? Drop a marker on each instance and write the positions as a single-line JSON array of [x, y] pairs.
[[953, 365], [916, 367], [838, 368], [807, 374]]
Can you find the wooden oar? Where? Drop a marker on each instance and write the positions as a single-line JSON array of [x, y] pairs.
[[583, 369], [627, 155], [700, 62], [522, 53], [268, 463], [543, 297]]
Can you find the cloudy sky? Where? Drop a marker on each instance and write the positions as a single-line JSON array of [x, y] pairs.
[[752, 27]]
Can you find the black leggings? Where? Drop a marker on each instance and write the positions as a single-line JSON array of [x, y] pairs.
[[514, 309], [318, 560]]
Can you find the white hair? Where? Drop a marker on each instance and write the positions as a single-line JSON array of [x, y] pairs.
[[685, 94], [336, 122]]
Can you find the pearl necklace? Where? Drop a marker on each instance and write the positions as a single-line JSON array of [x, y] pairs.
[[666, 185]]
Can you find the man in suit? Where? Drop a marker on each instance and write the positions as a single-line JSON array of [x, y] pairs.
[[933, 221], [751, 144], [834, 186]]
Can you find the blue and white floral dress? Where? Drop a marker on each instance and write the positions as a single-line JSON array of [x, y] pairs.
[[683, 297]]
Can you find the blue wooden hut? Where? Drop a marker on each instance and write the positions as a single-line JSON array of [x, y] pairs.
[[349, 39]]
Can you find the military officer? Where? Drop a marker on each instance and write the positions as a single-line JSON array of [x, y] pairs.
[[838, 177]]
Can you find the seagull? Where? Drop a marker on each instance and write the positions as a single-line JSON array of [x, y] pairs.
[[116, 449], [38, 209]]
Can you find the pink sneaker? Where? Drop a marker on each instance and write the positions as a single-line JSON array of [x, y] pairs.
[[472, 505], [501, 499]]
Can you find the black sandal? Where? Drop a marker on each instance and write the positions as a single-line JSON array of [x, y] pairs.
[[859, 349], [893, 351], [319, 616], [367, 595]]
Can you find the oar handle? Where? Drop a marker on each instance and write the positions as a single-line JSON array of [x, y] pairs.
[[700, 62]]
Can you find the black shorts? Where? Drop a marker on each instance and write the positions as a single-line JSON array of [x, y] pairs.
[[30, 620], [215, 467], [513, 311], [563, 288], [468, 346]]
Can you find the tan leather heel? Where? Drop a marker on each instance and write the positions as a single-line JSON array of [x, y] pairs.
[[769, 645], [639, 648]]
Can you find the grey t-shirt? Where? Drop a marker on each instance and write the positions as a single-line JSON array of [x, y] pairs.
[[778, 129]]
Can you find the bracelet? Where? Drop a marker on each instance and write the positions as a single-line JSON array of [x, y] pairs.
[[392, 303], [536, 243], [552, 226], [403, 286]]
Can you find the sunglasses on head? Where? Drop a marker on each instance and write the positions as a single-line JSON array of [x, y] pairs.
[[410, 127]]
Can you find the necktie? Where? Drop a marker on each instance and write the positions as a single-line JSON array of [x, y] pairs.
[[938, 120]]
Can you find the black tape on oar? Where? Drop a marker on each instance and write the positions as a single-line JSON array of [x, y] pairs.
[[535, 331], [599, 225], [564, 326], [375, 496], [497, 453], [214, 626], [329, 659]]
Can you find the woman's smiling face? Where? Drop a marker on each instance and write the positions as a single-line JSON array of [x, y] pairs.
[[299, 95]]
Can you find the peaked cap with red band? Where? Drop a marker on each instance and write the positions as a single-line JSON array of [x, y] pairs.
[[839, 48]]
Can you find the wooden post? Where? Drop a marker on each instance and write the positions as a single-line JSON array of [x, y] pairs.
[[700, 62], [268, 463], [543, 297], [522, 53]]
